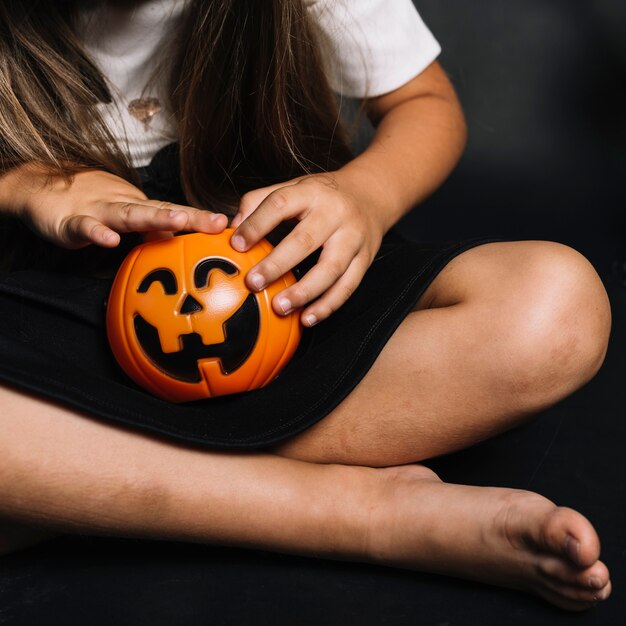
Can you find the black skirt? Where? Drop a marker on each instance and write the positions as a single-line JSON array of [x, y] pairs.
[[53, 343]]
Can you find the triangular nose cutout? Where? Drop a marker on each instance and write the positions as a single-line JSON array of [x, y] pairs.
[[190, 305]]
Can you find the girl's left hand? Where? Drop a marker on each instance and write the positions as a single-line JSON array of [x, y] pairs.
[[328, 217]]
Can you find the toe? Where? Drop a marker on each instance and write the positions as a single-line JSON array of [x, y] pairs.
[[568, 533], [560, 570], [573, 598], [564, 601], [577, 593]]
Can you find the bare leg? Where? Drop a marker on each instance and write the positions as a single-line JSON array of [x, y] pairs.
[[506, 330], [63, 471], [67, 472]]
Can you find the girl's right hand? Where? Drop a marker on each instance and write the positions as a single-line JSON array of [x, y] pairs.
[[94, 208]]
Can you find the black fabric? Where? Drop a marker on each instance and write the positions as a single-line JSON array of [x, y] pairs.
[[53, 342], [573, 454]]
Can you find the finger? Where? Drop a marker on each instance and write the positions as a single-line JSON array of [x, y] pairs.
[[251, 200], [80, 230], [283, 203], [199, 220], [237, 220], [125, 217], [149, 215], [304, 239], [323, 275], [337, 295]]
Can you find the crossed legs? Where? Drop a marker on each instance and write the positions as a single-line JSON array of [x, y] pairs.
[[505, 330]]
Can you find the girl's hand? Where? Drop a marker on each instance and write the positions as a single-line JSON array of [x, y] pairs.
[[95, 208], [329, 217]]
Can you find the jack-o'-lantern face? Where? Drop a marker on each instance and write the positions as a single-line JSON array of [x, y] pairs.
[[182, 323], [224, 321]]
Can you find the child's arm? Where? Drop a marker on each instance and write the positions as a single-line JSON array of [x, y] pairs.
[[94, 208], [419, 138]]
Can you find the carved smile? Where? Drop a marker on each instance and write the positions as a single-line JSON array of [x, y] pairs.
[[241, 331]]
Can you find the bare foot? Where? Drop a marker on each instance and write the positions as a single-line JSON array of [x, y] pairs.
[[14, 537], [505, 537]]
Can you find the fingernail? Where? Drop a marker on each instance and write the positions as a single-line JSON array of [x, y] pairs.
[[174, 213], [310, 319], [595, 583], [284, 305], [257, 281], [238, 243], [572, 547], [106, 235]]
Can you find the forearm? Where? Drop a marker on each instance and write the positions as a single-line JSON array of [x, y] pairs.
[[416, 145]]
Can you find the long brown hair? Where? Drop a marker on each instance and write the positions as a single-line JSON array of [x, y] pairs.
[[48, 92], [252, 100], [246, 86]]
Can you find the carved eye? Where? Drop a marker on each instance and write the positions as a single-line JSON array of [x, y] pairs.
[[203, 269], [163, 276]]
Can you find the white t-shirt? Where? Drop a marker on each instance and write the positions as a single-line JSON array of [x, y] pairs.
[[372, 47]]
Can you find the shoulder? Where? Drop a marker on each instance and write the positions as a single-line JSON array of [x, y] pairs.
[[360, 11], [372, 46]]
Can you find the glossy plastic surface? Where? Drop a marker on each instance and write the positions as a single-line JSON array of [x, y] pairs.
[[183, 325]]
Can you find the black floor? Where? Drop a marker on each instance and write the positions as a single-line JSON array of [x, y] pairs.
[[574, 454]]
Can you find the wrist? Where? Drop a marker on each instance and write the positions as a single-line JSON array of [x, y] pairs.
[[371, 194], [9, 190], [18, 184]]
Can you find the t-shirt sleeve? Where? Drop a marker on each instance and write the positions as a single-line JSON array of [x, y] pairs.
[[371, 47]]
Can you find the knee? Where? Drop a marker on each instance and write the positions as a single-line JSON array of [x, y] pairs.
[[561, 320]]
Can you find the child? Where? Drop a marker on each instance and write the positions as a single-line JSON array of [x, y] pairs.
[[410, 350]]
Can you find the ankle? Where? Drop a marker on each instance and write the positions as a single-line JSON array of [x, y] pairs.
[[341, 513], [394, 487]]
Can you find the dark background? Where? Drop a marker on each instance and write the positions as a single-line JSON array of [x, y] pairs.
[[543, 83]]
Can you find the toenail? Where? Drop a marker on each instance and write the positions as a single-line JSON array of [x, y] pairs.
[[572, 547], [595, 583]]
